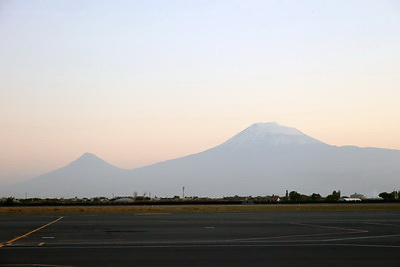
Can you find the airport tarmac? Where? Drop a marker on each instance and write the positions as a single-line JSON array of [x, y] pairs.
[[318, 238]]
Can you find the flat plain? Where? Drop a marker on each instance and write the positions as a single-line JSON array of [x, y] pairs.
[[273, 238]]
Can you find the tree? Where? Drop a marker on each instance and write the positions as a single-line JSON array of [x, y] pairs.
[[315, 197], [9, 201], [334, 196], [294, 196], [387, 196]]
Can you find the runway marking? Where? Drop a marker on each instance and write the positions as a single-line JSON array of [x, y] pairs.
[[360, 237], [366, 245], [389, 224], [152, 213], [333, 227], [348, 231], [283, 236], [208, 245], [84, 241], [8, 243]]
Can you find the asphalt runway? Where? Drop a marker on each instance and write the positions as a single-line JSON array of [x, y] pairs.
[[337, 238]]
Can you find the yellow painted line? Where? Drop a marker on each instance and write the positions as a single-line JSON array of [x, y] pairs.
[[41, 243], [8, 243]]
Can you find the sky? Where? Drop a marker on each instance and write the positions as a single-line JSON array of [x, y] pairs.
[[138, 82]]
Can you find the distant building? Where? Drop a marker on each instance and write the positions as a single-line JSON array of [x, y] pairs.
[[273, 198], [236, 198], [357, 195], [350, 199], [124, 199]]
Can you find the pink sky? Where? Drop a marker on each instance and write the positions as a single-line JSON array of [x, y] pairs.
[[140, 82]]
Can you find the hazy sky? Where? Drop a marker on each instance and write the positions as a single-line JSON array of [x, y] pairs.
[[137, 82]]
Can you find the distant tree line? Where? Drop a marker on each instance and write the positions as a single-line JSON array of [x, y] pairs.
[[294, 196], [393, 196], [290, 197]]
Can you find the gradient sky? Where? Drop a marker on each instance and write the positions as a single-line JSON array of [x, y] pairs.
[[137, 82]]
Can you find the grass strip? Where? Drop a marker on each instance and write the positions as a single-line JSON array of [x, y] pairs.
[[195, 208]]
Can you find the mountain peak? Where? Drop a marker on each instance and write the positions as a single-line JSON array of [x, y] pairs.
[[272, 128], [88, 155], [271, 134], [88, 159]]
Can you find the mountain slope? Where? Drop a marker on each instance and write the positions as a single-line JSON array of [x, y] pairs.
[[307, 170]]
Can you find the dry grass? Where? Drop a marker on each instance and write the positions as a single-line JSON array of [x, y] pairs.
[[194, 208]]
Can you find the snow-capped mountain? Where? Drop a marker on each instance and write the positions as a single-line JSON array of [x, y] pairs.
[[265, 158], [269, 134]]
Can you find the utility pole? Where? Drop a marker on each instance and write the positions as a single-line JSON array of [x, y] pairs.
[[183, 192]]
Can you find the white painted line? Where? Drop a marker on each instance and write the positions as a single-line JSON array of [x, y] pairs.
[[388, 224], [287, 236], [332, 227], [202, 246], [375, 246], [361, 237]]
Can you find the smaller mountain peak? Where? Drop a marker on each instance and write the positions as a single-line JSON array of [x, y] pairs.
[[88, 160], [88, 155]]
